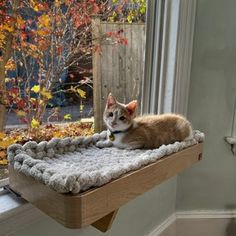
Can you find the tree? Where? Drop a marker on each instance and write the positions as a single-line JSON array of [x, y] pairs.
[[41, 39], [47, 37], [7, 25]]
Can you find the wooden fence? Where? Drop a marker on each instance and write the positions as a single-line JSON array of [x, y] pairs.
[[118, 69]]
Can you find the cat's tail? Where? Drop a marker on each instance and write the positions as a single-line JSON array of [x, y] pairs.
[[186, 129]]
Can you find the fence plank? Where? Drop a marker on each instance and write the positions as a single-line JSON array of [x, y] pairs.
[[119, 68]]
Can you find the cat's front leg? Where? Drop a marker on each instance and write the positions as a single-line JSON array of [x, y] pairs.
[[134, 145], [105, 143]]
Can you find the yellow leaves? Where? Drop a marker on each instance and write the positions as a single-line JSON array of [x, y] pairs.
[[57, 3], [2, 36], [2, 135], [36, 5], [3, 162], [35, 124], [6, 142], [8, 27], [43, 91], [43, 32], [20, 22], [81, 107], [7, 80], [130, 17], [46, 93], [32, 47], [58, 134], [10, 65], [44, 21], [35, 88], [81, 92], [33, 100], [67, 117], [21, 113]]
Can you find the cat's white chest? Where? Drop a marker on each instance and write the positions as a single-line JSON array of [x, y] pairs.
[[116, 139]]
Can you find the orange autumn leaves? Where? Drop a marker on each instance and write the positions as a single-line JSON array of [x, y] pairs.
[[46, 132], [47, 36], [4, 143]]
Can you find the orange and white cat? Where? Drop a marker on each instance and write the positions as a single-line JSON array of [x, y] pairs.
[[150, 131]]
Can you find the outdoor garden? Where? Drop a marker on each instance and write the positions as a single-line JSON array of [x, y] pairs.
[[58, 61]]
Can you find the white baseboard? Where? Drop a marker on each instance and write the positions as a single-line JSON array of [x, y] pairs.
[[206, 214], [185, 215], [164, 225]]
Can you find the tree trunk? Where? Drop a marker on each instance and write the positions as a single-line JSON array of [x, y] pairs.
[[2, 117], [3, 88], [6, 56]]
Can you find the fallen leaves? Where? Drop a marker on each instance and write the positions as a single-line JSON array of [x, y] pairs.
[[3, 162], [46, 132]]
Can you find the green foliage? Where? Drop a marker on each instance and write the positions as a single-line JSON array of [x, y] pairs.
[[127, 11]]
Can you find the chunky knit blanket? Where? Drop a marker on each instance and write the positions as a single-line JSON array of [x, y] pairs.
[[77, 164]]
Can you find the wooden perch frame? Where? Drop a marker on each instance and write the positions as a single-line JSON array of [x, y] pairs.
[[98, 206]]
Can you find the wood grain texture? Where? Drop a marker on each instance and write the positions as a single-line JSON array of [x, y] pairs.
[[105, 223], [76, 211], [96, 75], [119, 68]]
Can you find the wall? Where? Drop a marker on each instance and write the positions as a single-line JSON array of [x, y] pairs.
[[137, 218], [211, 184]]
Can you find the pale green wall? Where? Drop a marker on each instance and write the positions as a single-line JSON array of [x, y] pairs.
[[137, 218], [211, 184]]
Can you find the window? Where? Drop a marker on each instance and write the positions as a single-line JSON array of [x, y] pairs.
[[161, 85], [65, 61]]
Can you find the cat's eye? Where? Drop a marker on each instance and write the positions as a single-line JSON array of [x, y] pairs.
[[110, 114], [122, 118]]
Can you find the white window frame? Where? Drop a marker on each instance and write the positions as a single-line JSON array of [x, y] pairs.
[[165, 86], [168, 56]]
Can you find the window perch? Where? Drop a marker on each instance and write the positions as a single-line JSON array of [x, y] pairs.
[[78, 184]]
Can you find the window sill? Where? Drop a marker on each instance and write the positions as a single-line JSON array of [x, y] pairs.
[[16, 213]]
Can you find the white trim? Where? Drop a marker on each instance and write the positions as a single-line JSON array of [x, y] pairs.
[[168, 56], [187, 17], [206, 214], [185, 215], [164, 225]]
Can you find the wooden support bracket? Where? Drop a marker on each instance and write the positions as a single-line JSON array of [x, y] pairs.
[[105, 223]]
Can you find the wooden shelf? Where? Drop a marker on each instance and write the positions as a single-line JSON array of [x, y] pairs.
[[98, 206]]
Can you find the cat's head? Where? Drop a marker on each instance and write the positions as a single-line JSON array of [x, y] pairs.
[[118, 116]]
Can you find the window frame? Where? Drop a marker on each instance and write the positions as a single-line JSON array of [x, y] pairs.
[[168, 56]]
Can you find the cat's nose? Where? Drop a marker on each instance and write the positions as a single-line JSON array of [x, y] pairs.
[[113, 123]]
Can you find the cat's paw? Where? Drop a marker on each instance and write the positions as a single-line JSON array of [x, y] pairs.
[[134, 146], [102, 144]]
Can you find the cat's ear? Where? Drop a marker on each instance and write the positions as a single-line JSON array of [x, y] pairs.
[[131, 107], [110, 100]]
